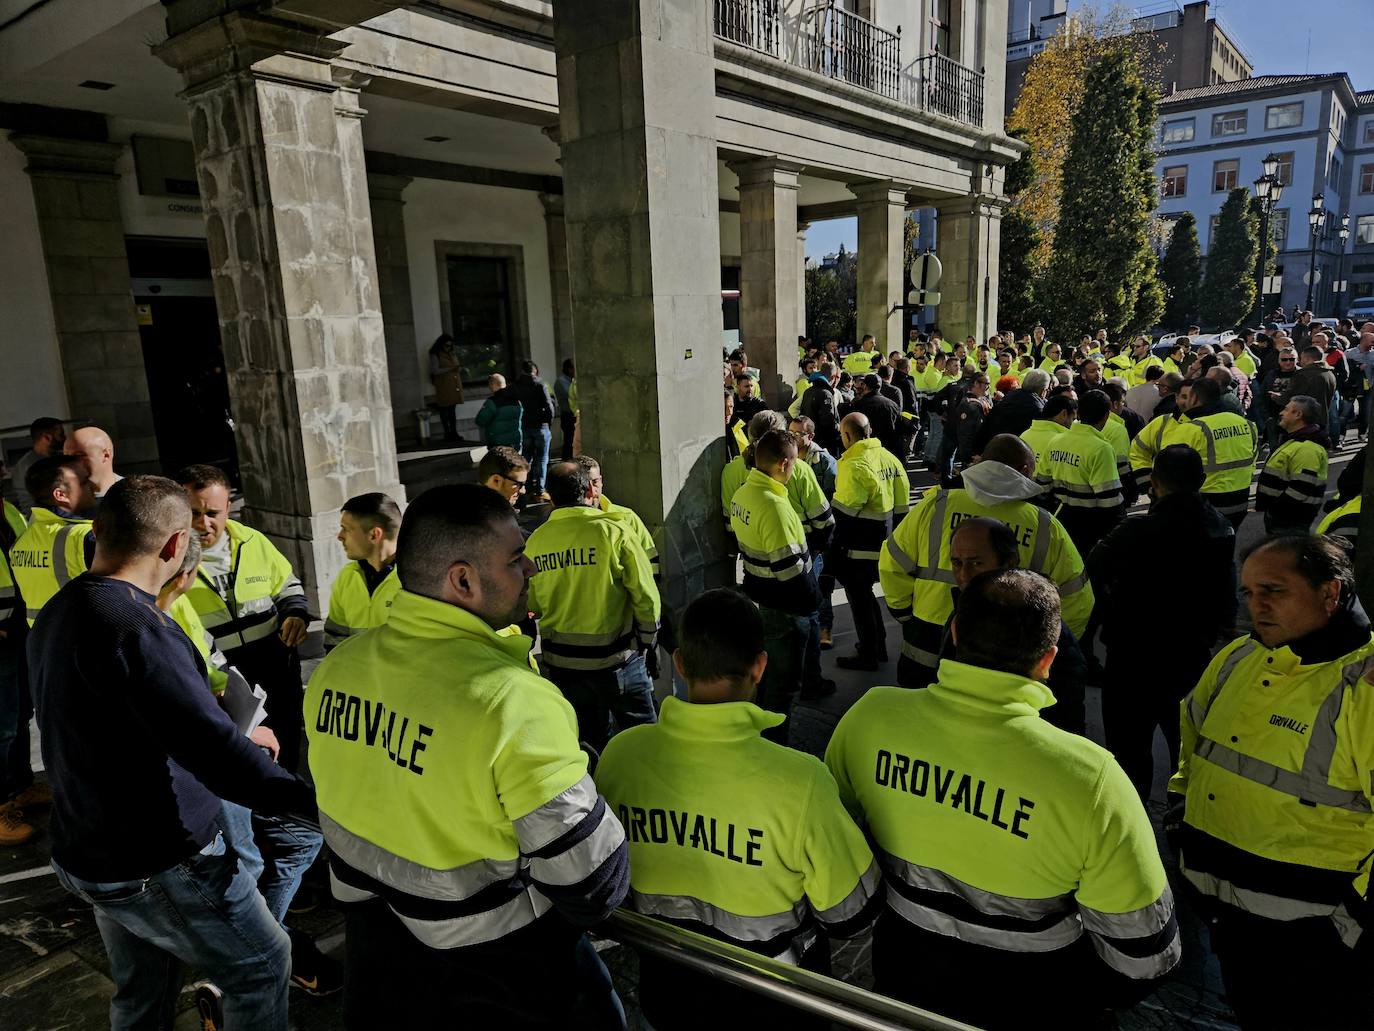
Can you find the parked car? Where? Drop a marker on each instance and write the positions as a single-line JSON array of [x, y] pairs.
[[1362, 310], [1165, 344]]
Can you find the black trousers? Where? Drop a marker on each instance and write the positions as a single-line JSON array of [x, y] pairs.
[[1286, 975], [857, 577], [567, 421], [1136, 701]]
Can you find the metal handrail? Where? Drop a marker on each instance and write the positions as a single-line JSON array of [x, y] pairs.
[[750, 23], [946, 87], [844, 46], [791, 985]]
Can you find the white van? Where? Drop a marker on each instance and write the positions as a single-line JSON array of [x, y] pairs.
[[1362, 310]]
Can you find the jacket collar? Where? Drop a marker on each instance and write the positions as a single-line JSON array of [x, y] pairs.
[[759, 478], [721, 721], [1213, 409], [48, 515], [1083, 429], [575, 512], [1311, 432], [418, 616], [1347, 630], [989, 692], [817, 377], [860, 446]]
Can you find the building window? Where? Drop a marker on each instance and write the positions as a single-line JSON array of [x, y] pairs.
[[1364, 229], [1278, 228], [481, 303], [1212, 224], [1230, 123], [940, 21], [1284, 171], [1224, 175], [1180, 131], [1367, 178], [1283, 116], [1175, 181], [1333, 173], [1369, 131]]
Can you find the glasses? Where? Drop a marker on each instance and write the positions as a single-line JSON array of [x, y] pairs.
[[519, 484]]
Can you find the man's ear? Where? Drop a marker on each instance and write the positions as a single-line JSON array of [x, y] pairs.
[[463, 582], [677, 663], [760, 664], [1042, 668], [174, 547]]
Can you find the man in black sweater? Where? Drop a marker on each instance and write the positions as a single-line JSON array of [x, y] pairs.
[[139, 756]]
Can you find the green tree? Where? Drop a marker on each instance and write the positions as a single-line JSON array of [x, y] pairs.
[[831, 300], [1228, 285], [1271, 252], [1102, 270], [1020, 241], [1181, 271]]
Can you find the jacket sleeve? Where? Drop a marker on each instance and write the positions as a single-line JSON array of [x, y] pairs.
[[901, 494], [1192, 713], [1123, 895], [1293, 484], [1143, 450], [639, 583], [839, 873], [336, 626], [576, 848], [817, 519], [1065, 568], [900, 559], [287, 592], [485, 414]]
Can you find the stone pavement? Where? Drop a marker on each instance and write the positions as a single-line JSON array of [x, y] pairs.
[[54, 974]]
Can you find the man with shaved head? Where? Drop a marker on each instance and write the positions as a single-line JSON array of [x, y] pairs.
[[915, 566], [871, 491], [93, 446]]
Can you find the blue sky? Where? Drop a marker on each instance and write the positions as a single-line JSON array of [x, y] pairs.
[[1273, 32]]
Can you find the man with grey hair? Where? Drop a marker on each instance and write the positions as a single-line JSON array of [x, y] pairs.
[[1227, 382], [1293, 482], [1016, 411]]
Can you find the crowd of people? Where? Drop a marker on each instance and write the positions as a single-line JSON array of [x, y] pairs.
[[481, 802]]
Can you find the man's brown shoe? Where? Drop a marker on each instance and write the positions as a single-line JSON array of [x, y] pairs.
[[13, 829], [35, 796], [827, 641]]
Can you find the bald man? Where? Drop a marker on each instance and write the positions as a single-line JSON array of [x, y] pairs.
[[983, 545], [93, 446]]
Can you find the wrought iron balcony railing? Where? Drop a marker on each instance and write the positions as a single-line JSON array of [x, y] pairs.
[[945, 87], [839, 44], [750, 23]]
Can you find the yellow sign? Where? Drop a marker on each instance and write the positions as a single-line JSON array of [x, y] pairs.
[[145, 314]]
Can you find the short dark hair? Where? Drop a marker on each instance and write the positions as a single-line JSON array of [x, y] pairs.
[[586, 462], [1094, 406], [1320, 558], [871, 382], [720, 636], [46, 474], [745, 374], [1209, 390], [446, 524], [373, 510], [807, 426], [772, 446], [1060, 389], [138, 514], [198, 477], [1001, 538], [1007, 620], [1179, 468], [500, 461], [1153, 373], [568, 484], [529, 368], [1058, 405], [569, 367], [1312, 351], [1115, 392], [44, 424]]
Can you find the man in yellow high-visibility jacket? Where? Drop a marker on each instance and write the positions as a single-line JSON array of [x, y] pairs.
[[365, 588], [58, 545]]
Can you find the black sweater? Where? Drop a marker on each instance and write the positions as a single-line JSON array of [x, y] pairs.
[[137, 751]]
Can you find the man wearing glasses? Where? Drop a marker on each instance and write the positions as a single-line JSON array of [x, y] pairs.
[[1274, 389], [504, 470]]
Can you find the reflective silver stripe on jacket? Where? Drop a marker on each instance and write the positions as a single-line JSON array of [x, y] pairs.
[[1197, 711], [336, 633], [743, 929], [1041, 551], [1056, 935], [1212, 465], [1074, 583], [785, 563], [618, 647], [560, 816], [853, 904], [920, 655], [1145, 922], [1092, 495], [60, 569], [1273, 907]]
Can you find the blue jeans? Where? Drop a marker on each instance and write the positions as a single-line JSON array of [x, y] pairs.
[[827, 585], [274, 850], [205, 912], [785, 640], [16, 706], [536, 452], [607, 700]]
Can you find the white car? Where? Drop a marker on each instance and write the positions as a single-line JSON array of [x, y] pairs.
[[1165, 344]]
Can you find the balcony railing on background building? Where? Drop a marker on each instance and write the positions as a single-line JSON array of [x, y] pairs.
[[843, 46], [840, 44], [750, 23]]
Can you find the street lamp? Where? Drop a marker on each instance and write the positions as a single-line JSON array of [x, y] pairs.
[[1268, 189], [1344, 235], [1316, 218]]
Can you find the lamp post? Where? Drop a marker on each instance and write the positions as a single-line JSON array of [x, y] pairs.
[[1316, 218], [1268, 190], [1343, 235]]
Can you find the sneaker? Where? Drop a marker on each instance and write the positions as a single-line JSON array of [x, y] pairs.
[[209, 1006], [827, 641], [823, 689], [311, 970], [13, 829], [36, 796]]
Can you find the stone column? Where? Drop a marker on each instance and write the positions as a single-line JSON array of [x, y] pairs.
[[768, 277], [280, 165], [968, 233], [558, 280], [882, 213], [802, 227], [636, 91], [76, 192], [408, 376]]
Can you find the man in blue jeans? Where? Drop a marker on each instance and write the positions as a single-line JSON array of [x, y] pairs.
[[140, 755], [539, 411]]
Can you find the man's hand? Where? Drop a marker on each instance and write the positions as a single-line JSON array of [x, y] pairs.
[[264, 738], [292, 631]]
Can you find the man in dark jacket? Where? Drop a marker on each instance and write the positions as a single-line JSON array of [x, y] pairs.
[[906, 386], [1141, 605], [883, 416], [540, 409], [1313, 379], [820, 404], [1016, 411], [747, 401]]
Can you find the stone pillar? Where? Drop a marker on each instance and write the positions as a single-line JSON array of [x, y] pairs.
[[802, 227], [408, 376], [280, 164], [636, 91], [558, 280], [968, 234], [76, 192], [882, 214], [768, 272]]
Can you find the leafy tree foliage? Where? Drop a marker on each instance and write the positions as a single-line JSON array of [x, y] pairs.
[[1020, 242], [1181, 271], [1228, 286], [831, 300]]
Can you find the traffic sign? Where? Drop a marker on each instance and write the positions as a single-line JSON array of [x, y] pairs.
[[1308, 280], [922, 297], [1273, 285], [925, 271]]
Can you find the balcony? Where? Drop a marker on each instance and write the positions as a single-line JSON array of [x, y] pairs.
[[838, 44]]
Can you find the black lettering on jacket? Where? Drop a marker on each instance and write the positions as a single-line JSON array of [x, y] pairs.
[[351, 718], [962, 791]]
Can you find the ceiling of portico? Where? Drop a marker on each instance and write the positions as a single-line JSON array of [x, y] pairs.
[[811, 190], [401, 127]]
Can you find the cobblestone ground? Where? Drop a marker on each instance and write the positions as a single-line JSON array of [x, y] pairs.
[[54, 974]]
